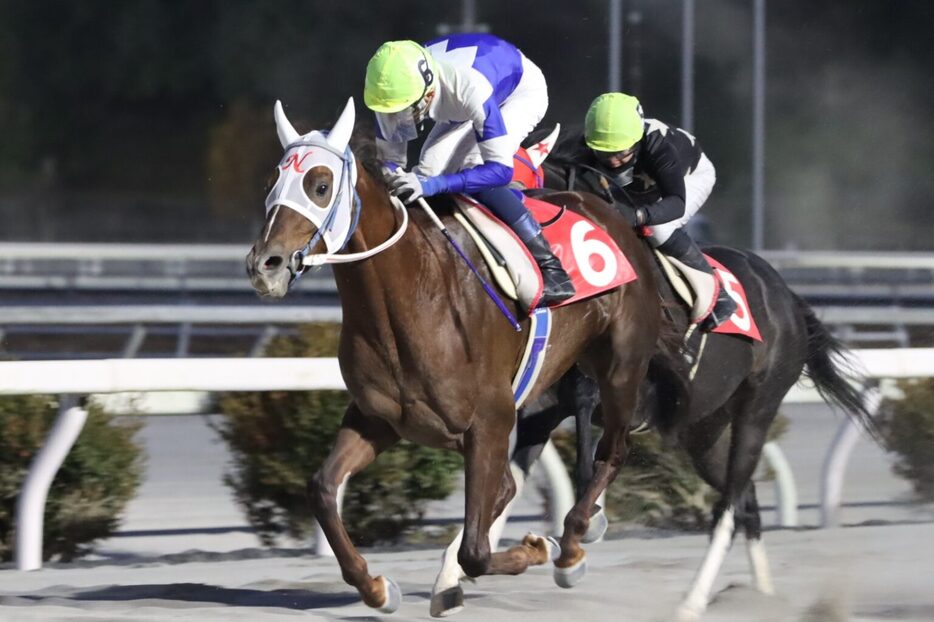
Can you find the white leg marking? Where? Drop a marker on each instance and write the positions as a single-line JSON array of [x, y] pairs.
[[451, 573], [759, 565], [695, 602], [496, 530]]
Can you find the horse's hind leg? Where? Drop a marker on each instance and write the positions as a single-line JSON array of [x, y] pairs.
[[359, 440], [755, 549], [728, 465], [619, 389], [532, 551]]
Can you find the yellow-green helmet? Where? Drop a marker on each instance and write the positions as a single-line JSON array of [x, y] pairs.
[[614, 122], [398, 75]]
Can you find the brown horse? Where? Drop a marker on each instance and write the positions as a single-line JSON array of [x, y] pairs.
[[425, 354]]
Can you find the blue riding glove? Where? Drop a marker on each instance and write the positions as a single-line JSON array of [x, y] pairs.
[[410, 187]]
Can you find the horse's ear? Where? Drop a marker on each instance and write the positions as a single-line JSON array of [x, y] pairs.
[[538, 153], [340, 133], [287, 133]]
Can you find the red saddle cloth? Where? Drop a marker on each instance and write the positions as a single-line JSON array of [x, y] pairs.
[[741, 322], [589, 255]]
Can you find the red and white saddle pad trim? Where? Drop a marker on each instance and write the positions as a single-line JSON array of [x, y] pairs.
[[741, 322]]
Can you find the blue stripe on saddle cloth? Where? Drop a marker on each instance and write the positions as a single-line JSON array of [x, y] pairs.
[[534, 357]]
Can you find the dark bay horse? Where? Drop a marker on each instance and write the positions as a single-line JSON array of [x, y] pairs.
[[734, 389], [426, 356]]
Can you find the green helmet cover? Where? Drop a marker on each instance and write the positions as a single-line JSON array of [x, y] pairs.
[[397, 76], [614, 122]]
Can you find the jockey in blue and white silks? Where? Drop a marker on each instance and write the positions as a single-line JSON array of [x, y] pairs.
[[485, 97]]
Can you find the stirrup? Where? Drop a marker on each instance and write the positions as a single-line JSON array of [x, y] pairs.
[[550, 299], [719, 315]]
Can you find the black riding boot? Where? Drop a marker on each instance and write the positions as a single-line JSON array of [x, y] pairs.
[[557, 283], [722, 310], [508, 207], [682, 247]]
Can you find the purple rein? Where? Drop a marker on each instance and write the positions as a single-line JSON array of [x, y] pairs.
[[486, 286]]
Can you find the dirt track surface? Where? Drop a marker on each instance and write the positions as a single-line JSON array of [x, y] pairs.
[[881, 572]]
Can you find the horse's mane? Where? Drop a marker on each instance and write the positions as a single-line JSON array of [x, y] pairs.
[[363, 144]]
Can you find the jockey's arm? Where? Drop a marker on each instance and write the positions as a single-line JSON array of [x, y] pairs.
[[496, 149], [661, 162]]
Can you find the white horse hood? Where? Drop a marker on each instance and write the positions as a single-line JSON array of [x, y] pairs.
[[334, 221]]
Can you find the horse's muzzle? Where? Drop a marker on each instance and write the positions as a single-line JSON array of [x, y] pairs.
[[270, 273]]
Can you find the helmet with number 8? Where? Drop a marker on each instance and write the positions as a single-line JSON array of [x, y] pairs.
[[400, 75], [614, 123]]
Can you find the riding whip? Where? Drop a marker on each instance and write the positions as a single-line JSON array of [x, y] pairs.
[[486, 286]]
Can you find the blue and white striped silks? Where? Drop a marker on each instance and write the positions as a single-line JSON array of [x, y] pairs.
[[534, 357]]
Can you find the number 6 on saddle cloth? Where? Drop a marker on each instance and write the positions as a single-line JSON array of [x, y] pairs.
[[588, 254]]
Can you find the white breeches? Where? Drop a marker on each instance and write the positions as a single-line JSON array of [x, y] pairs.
[[452, 147], [697, 187]]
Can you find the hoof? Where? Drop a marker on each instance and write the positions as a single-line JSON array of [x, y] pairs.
[[571, 576], [447, 602], [598, 525], [393, 596]]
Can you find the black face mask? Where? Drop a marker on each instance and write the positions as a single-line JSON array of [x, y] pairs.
[[622, 175]]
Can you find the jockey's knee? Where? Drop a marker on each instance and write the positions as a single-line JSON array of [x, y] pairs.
[[504, 202]]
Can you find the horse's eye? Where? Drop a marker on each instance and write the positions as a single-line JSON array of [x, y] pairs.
[[321, 190]]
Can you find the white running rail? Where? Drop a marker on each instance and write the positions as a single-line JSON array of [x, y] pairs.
[[295, 374]]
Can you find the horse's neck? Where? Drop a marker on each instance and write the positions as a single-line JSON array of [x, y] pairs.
[[364, 284]]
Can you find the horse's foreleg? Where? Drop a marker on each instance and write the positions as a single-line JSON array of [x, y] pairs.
[[578, 396], [447, 597], [359, 441], [533, 551], [488, 488]]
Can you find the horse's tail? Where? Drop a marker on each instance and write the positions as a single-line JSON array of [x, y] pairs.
[[830, 367]]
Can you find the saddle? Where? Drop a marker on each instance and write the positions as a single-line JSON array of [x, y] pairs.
[[693, 294], [587, 253]]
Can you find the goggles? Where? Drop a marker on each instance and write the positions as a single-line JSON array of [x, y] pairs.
[[622, 156]]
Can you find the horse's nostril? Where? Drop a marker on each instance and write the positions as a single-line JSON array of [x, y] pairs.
[[273, 262]]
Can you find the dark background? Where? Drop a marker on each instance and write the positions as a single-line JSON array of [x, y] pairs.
[[151, 120]]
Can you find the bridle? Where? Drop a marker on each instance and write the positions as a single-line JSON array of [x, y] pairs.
[[345, 186]]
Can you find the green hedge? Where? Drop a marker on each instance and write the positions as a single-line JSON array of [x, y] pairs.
[[97, 479], [658, 485], [908, 431], [279, 439]]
